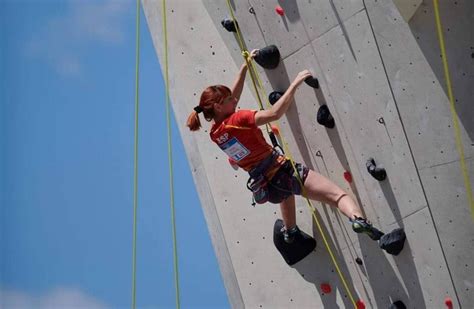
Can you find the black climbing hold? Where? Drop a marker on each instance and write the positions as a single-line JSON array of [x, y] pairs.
[[397, 305], [324, 117], [359, 261], [229, 25], [312, 82], [393, 242], [274, 96], [268, 57], [378, 173], [302, 245]]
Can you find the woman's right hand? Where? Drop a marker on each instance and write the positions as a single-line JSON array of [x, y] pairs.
[[302, 76]]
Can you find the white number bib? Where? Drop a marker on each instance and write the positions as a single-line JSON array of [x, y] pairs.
[[234, 149]]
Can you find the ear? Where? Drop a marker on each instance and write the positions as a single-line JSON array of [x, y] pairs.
[[217, 107]]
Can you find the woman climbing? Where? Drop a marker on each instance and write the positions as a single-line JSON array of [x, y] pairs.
[[237, 133]]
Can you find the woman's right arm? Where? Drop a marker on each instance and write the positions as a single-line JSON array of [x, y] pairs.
[[281, 106]]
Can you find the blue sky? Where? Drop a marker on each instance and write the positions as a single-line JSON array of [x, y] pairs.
[[66, 166]]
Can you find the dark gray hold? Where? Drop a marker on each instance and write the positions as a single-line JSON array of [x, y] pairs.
[[393, 242], [229, 25], [274, 97], [397, 305], [312, 82], [324, 117], [268, 57], [359, 261], [302, 245], [378, 173]]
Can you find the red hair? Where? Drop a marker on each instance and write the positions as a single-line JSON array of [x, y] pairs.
[[210, 95]]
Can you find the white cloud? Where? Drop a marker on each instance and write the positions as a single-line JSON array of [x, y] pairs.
[[57, 298], [62, 40]]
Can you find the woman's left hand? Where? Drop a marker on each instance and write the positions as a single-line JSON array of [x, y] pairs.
[[253, 53]]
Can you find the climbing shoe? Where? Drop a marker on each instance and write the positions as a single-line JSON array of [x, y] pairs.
[[290, 235], [361, 225]]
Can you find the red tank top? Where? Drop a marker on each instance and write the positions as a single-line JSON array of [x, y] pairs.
[[240, 138]]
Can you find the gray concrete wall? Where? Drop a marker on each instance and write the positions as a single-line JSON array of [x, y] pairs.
[[364, 77]]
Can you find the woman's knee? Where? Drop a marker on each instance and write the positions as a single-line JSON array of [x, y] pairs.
[[322, 189]]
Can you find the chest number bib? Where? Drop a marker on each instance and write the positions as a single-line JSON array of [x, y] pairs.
[[234, 149]]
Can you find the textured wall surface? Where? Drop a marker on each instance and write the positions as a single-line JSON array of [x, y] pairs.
[[382, 79]]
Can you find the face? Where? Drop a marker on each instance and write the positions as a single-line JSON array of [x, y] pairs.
[[228, 105]]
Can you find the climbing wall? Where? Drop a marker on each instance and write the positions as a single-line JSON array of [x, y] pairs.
[[386, 94]]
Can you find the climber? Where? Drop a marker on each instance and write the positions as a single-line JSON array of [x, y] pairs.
[[237, 133]]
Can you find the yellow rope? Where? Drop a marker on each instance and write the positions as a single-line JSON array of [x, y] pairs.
[[170, 160], [135, 162], [253, 71], [457, 131]]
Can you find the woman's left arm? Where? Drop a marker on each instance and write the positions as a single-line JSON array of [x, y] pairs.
[[239, 81]]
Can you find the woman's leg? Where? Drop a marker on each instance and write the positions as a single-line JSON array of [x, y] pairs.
[[288, 212], [320, 188]]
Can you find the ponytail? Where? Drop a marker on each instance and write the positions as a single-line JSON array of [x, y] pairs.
[[194, 123], [210, 95]]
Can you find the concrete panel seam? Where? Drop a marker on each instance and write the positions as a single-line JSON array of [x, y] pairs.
[[410, 214], [445, 163], [335, 26]]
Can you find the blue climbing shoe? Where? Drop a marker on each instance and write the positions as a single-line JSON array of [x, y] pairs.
[[361, 225]]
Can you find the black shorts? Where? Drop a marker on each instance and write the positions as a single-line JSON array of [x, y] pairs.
[[286, 183]]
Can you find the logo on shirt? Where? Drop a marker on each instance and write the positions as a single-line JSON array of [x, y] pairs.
[[223, 138]]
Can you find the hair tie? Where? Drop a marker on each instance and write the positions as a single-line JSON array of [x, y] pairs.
[[198, 109]]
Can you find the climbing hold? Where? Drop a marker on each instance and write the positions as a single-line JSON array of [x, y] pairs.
[[393, 242], [325, 288], [348, 176], [378, 173], [274, 97], [295, 251], [275, 129], [359, 261], [397, 305], [360, 304], [312, 82], [448, 302], [279, 10], [276, 139], [233, 164], [229, 25], [268, 57], [324, 117]]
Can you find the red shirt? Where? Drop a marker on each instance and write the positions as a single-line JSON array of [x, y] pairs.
[[240, 138]]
